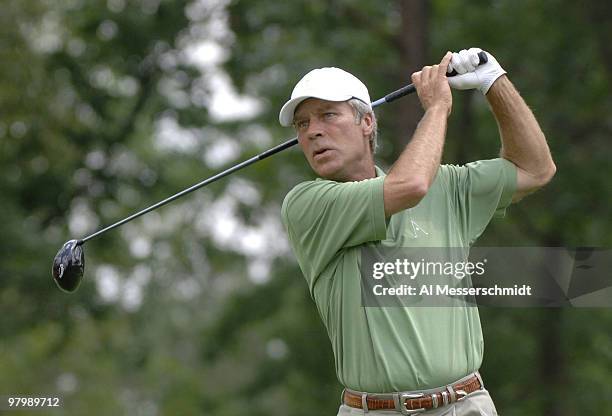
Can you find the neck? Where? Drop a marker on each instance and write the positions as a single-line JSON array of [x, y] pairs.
[[360, 172]]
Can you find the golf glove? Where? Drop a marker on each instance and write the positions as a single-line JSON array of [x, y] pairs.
[[470, 75]]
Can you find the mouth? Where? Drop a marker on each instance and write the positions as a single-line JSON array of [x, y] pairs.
[[321, 152]]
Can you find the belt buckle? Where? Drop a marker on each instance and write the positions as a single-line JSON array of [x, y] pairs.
[[406, 396], [463, 393]]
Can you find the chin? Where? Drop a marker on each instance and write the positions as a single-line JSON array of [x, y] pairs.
[[328, 172], [330, 168]]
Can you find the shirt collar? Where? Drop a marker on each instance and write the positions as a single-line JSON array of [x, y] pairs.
[[379, 172]]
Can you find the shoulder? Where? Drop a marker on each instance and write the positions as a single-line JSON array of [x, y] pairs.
[[312, 197], [307, 189], [302, 194], [478, 177], [448, 175], [490, 178], [323, 189], [478, 167]]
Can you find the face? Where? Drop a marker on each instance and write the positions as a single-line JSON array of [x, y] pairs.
[[335, 146]]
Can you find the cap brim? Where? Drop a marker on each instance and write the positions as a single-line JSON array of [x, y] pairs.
[[285, 117]]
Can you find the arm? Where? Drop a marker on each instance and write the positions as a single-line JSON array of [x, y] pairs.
[[323, 217], [523, 142], [414, 171]]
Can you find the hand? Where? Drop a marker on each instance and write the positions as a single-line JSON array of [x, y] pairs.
[[432, 85], [470, 74]]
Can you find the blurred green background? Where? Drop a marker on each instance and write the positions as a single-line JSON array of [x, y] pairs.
[[199, 308]]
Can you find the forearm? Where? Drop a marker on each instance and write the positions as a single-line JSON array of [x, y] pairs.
[[416, 168], [523, 142]]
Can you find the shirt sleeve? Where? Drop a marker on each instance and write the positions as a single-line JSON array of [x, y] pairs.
[[482, 190], [323, 217]]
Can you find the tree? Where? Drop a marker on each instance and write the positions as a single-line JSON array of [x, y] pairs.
[[105, 110]]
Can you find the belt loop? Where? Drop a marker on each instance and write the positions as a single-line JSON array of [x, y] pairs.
[[364, 402], [434, 400], [445, 398], [478, 376], [453, 395], [396, 401], [342, 396]]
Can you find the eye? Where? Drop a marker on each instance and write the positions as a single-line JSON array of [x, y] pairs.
[[329, 115], [301, 124]]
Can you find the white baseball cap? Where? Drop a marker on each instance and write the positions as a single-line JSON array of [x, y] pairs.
[[331, 84]]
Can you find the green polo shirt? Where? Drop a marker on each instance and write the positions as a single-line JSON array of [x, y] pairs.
[[379, 349]]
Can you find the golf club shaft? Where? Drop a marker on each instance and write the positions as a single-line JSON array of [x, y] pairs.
[[408, 89], [199, 185]]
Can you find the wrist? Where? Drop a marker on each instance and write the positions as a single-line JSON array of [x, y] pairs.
[[501, 83], [491, 79], [439, 110]]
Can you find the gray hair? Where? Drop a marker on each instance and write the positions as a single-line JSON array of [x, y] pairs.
[[361, 109]]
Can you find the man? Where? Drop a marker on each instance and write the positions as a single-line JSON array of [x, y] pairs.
[[411, 360]]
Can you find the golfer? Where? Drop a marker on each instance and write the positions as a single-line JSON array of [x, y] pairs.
[[417, 360]]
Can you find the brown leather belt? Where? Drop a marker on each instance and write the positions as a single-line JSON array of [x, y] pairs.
[[414, 402]]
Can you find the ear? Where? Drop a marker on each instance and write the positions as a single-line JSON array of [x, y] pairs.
[[367, 124]]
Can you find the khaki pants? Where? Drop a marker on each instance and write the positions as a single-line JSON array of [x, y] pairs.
[[478, 403]]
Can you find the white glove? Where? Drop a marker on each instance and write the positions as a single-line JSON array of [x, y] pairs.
[[470, 75]]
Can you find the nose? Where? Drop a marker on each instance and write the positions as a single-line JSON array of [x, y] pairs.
[[315, 128]]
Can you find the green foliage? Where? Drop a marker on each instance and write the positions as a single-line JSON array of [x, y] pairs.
[[176, 315]]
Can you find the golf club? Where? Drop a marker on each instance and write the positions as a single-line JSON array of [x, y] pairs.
[[69, 262]]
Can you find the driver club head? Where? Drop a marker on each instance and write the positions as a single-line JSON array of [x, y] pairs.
[[69, 265]]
